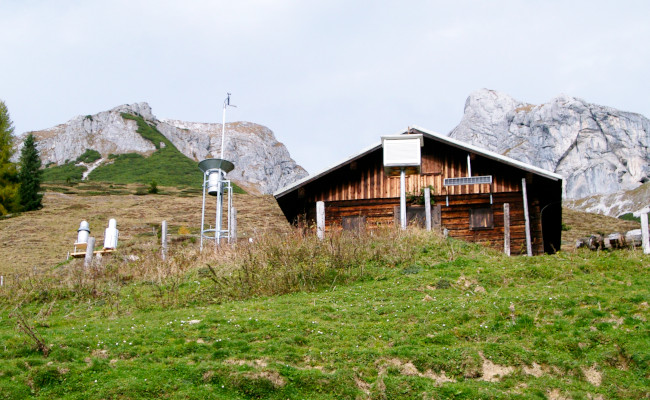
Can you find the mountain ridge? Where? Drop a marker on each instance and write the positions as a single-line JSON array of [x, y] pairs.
[[598, 149], [260, 160]]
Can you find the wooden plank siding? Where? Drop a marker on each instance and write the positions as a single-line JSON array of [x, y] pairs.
[[455, 218], [365, 178], [361, 188]]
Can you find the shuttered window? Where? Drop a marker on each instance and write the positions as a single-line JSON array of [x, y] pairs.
[[481, 218], [354, 224]]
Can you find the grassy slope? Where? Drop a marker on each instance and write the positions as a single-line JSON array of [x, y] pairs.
[[406, 317], [43, 238]]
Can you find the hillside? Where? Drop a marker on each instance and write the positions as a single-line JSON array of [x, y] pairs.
[[43, 238], [389, 316]]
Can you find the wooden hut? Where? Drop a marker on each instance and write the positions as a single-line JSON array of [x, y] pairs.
[[469, 187]]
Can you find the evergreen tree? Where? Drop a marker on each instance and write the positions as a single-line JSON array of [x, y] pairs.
[[30, 176], [9, 200]]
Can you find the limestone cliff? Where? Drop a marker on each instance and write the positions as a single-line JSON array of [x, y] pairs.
[[599, 150]]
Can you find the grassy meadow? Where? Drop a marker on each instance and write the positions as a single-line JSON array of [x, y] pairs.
[[392, 315]]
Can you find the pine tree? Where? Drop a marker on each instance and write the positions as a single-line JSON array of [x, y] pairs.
[[9, 200], [30, 176]]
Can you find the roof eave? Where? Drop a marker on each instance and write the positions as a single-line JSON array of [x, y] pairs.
[[431, 135]]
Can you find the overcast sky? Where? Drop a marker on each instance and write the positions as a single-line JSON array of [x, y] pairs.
[[328, 77]]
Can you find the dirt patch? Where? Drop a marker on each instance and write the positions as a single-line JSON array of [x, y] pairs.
[[207, 376], [362, 385], [272, 376], [556, 394], [613, 320], [251, 363], [465, 283], [100, 353], [408, 369], [592, 375], [492, 372], [534, 370]]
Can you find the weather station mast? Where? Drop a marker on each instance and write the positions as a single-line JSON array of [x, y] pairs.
[[216, 184]]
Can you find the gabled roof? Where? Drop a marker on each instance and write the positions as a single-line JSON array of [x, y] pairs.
[[431, 135]]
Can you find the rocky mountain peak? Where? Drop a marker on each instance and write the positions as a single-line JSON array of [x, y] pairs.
[[598, 149], [261, 162]]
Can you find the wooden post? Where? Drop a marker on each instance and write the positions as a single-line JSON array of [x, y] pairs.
[[320, 219], [644, 233], [529, 247], [163, 239], [506, 228], [90, 247], [427, 207], [436, 217], [233, 226], [2, 280], [402, 198]]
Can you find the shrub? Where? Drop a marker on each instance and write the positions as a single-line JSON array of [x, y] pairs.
[[89, 156], [153, 187]]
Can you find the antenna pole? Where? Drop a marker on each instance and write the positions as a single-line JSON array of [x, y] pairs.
[[226, 103], [223, 125]]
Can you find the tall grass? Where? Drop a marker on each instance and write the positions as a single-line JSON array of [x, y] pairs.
[[272, 264]]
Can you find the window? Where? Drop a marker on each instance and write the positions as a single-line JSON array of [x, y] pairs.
[[354, 224], [415, 215], [481, 218]]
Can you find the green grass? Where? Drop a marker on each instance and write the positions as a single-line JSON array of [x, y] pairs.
[[371, 317], [629, 217], [67, 172]]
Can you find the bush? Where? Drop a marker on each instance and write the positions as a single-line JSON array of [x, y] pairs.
[[629, 217], [153, 188], [89, 156]]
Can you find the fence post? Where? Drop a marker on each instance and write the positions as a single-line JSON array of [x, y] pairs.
[[529, 247], [90, 247], [163, 239], [427, 207], [233, 226], [320, 219], [2, 280], [506, 228], [644, 233]]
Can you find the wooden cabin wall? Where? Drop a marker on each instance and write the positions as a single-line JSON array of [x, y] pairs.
[[455, 218], [365, 177]]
